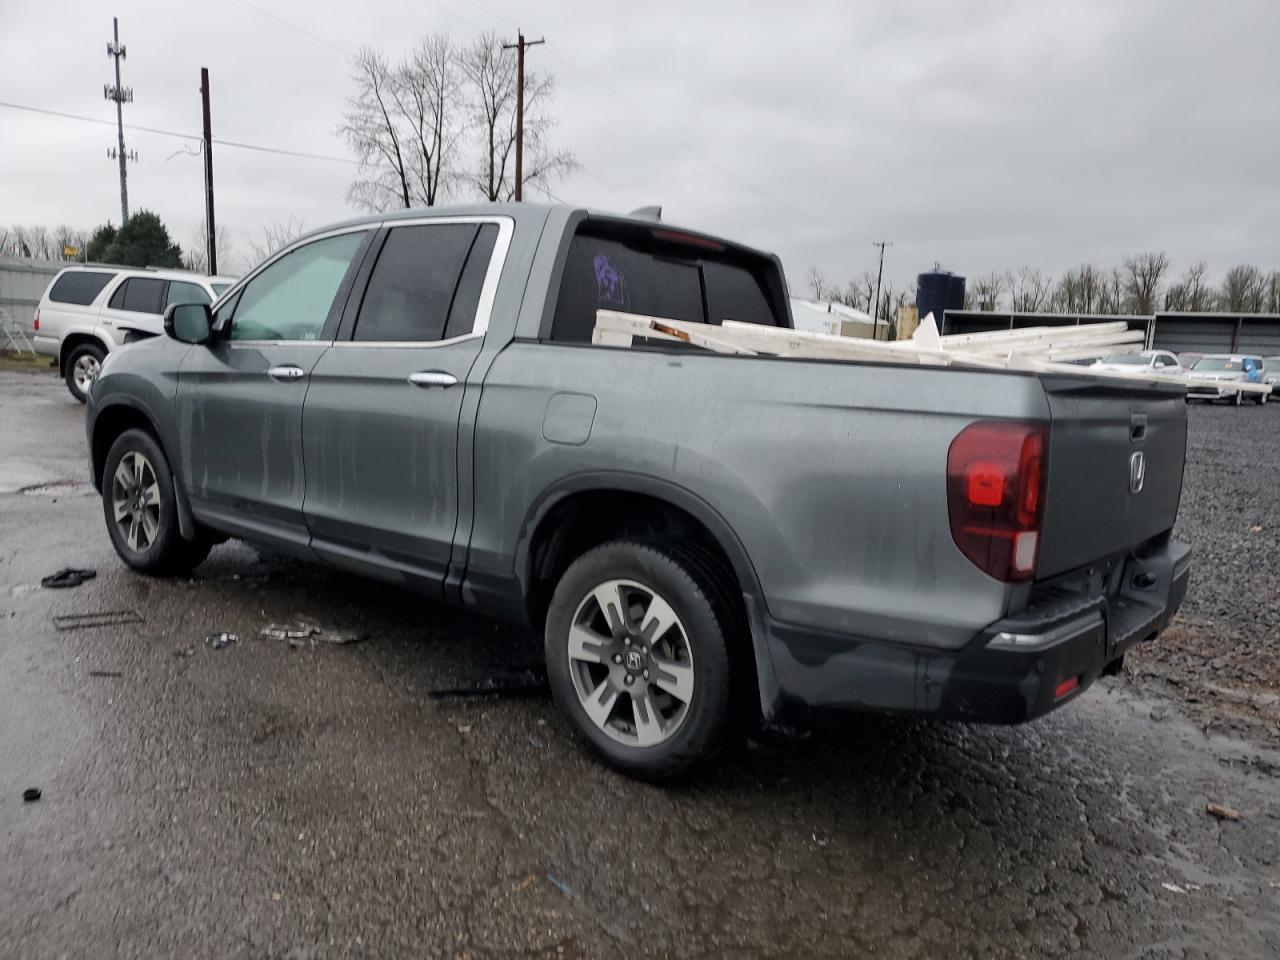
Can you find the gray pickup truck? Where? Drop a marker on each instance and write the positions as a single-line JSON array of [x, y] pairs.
[[702, 539]]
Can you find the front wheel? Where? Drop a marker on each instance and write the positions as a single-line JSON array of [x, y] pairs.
[[637, 656], [141, 511], [1239, 400], [83, 366], [1262, 398]]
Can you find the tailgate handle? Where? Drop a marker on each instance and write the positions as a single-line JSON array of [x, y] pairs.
[[1137, 427]]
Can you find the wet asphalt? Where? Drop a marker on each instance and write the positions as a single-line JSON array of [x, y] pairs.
[[266, 801]]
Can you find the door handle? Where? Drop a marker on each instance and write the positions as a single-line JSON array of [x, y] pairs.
[[432, 378], [286, 372]]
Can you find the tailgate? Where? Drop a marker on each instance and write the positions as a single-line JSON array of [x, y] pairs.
[[1116, 453]]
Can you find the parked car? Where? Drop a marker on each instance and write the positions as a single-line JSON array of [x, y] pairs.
[[1271, 371], [1157, 361], [88, 311], [700, 538], [1227, 368]]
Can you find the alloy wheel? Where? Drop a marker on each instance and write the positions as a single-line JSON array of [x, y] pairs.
[[86, 371], [631, 663], [135, 498]]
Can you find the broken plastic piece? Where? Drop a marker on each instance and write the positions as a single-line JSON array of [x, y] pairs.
[[220, 640], [30, 795], [103, 618], [68, 577], [523, 684]]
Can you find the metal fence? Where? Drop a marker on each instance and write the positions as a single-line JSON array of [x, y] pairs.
[[22, 283], [1179, 332]]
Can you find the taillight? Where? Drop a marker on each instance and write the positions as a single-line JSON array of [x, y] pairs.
[[36, 323], [995, 495]]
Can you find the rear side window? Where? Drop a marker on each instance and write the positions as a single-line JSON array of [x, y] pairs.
[[645, 276], [79, 287], [416, 290], [140, 295], [183, 292]]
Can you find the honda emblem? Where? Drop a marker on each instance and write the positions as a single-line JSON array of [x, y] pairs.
[[1137, 472]]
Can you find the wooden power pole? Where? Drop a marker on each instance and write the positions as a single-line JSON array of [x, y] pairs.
[[211, 234], [519, 47]]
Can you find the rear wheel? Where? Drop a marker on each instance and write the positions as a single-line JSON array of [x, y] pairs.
[[139, 505], [1262, 398], [1239, 400], [637, 655], [83, 366]]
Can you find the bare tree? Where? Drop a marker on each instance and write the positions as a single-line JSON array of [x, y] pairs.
[[817, 282], [1078, 290], [196, 256], [373, 130], [859, 293], [1143, 274], [1273, 292], [988, 289], [491, 78], [1030, 290], [428, 94], [1243, 290], [1190, 292], [1111, 292], [274, 236]]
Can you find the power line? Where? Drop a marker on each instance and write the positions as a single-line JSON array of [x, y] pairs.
[[293, 26], [182, 136]]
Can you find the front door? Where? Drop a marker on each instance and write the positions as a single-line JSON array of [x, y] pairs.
[[240, 398], [380, 424]]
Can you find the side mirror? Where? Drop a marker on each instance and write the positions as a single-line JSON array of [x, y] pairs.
[[189, 322]]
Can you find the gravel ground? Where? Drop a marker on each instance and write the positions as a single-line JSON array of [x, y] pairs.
[[1222, 655]]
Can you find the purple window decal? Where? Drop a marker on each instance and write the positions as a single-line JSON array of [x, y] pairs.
[[611, 285]]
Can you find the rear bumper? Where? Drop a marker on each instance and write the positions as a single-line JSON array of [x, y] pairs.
[[1014, 670], [1211, 393], [46, 345]]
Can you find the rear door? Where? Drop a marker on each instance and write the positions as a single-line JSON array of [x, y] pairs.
[[135, 306], [1116, 454], [380, 426], [240, 399]]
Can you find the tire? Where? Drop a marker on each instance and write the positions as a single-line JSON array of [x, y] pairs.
[[1262, 398], [83, 365], [675, 711], [141, 512], [1239, 400]]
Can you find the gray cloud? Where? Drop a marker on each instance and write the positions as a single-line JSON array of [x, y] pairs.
[[982, 134]]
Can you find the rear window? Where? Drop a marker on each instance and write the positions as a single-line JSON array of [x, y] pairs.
[[140, 295], [79, 287], [636, 273], [419, 290]]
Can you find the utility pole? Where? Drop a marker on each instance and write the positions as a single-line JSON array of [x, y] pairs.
[[519, 46], [121, 95], [876, 310], [208, 173]]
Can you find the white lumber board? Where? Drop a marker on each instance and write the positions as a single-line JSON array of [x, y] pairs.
[[998, 338], [613, 323], [1146, 376]]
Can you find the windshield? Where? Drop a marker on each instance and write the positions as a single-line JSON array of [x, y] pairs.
[[1216, 364], [1126, 359]]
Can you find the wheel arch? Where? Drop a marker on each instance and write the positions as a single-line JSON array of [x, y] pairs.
[[78, 339], [109, 422], [563, 523]]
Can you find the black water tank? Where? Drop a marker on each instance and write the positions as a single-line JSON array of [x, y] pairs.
[[938, 291]]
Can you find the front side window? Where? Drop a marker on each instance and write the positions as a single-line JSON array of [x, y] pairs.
[[291, 298], [140, 295], [80, 287], [416, 290], [182, 292]]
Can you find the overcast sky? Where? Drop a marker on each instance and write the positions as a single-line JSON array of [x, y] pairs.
[[983, 134]]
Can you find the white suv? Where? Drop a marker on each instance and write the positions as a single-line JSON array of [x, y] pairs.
[[89, 311]]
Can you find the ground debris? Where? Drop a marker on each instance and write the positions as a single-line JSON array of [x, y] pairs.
[[221, 639], [30, 795], [1221, 812], [524, 684], [105, 673], [303, 630], [68, 577], [101, 618]]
